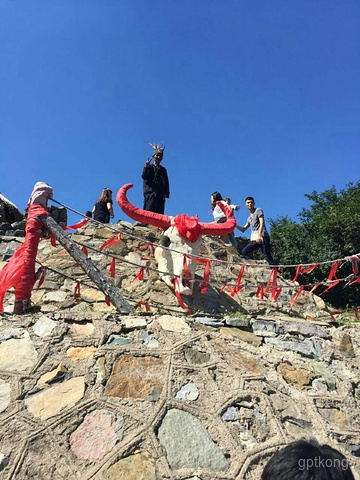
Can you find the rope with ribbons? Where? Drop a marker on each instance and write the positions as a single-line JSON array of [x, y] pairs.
[[331, 282]]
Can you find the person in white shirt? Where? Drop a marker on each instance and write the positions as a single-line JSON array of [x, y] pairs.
[[220, 217]]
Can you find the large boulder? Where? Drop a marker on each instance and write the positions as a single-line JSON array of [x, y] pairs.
[[9, 213]]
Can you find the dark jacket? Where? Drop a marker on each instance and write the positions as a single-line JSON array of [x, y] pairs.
[[155, 180]]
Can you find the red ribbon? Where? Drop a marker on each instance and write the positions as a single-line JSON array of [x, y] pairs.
[[357, 311], [177, 293], [140, 275], [226, 286], [272, 279], [77, 225], [42, 278], [309, 269], [275, 290], [52, 240], [332, 274], [329, 288], [294, 300], [314, 287], [335, 312], [112, 268], [206, 261], [111, 241], [354, 259], [85, 252], [142, 303], [300, 271], [355, 281], [238, 287], [77, 295], [107, 301], [260, 292], [206, 275]]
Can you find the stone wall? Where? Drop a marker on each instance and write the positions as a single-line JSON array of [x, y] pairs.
[[11, 219], [87, 392]]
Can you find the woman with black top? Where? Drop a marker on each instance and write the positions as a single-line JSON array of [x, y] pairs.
[[103, 209]]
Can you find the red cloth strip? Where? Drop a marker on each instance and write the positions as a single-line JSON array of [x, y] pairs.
[[52, 240], [329, 288], [300, 271], [260, 292], [77, 225], [107, 301], [238, 287], [19, 272], [112, 268], [332, 274], [187, 280], [177, 293], [357, 311], [274, 288], [142, 303], [355, 281], [226, 286], [276, 292], [206, 276], [42, 278], [272, 279], [309, 269], [354, 260], [294, 300], [85, 252], [77, 295], [111, 241], [207, 262], [315, 287], [140, 275]]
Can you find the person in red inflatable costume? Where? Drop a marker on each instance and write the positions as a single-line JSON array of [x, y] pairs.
[[20, 270]]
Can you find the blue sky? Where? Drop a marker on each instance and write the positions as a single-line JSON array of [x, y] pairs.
[[250, 97]]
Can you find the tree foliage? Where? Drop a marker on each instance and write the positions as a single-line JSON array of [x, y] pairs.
[[328, 229]]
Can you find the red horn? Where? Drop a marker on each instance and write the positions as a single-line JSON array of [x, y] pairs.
[[144, 216], [220, 229]]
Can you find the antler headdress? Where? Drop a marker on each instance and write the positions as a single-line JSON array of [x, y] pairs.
[[157, 148]]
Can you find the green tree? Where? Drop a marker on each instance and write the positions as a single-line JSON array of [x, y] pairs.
[[328, 229]]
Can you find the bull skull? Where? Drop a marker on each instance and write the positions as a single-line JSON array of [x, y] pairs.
[[181, 233]]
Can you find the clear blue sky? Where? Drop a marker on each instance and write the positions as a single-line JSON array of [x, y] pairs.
[[250, 97]]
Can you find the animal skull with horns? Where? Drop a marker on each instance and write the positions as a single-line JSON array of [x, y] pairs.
[[182, 235]]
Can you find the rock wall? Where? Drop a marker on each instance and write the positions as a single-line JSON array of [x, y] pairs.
[[90, 393], [11, 219]]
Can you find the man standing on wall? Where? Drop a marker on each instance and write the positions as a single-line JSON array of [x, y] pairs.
[[156, 182], [259, 235]]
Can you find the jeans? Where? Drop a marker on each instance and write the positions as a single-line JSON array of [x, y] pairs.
[[231, 236], [247, 251], [232, 240]]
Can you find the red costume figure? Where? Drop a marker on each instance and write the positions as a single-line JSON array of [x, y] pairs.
[[20, 270]]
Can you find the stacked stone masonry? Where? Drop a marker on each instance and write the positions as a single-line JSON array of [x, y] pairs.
[[90, 393]]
